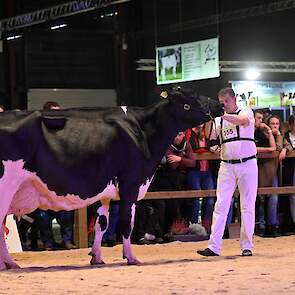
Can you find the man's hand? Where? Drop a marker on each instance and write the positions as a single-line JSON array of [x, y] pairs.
[[282, 154], [215, 149], [173, 159], [265, 127], [276, 132]]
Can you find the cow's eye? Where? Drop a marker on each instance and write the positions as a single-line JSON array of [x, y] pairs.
[[186, 107]]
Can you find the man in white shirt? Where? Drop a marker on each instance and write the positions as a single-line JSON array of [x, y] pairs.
[[238, 168]]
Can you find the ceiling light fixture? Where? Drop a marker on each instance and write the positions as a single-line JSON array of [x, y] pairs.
[[13, 37], [58, 26], [252, 74]]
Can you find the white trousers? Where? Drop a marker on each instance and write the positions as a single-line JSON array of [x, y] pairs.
[[245, 176]]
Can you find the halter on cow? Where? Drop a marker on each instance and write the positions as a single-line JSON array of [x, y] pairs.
[[68, 159]]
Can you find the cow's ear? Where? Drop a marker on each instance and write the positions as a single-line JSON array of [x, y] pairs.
[[54, 123]]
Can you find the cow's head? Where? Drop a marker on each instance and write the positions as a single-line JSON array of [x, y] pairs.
[[192, 109]]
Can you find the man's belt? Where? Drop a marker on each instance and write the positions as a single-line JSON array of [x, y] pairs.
[[239, 161]]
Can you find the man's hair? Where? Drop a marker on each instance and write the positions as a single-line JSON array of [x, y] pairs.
[[225, 91], [291, 120], [259, 112], [50, 104]]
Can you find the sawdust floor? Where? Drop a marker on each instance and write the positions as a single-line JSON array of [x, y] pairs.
[[172, 268]]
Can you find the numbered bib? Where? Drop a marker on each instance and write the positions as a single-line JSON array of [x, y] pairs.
[[229, 132]]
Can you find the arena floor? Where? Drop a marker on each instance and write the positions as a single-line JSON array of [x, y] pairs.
[[172, 268]]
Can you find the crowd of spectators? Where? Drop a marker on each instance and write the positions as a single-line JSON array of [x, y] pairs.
[[275, 215]]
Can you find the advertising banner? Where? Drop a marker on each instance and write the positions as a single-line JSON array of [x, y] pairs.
[[264, 94], [187, 62]]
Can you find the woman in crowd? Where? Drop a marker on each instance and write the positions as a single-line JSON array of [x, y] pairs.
[[271, 229], [200, 176], [288, 176], [265, 143]]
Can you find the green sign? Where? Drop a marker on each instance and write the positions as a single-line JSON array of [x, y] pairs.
[[187, 62]]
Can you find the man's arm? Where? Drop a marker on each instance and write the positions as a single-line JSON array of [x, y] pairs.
[[171, 158], [182, 161], [287, 148], [271, 140], [215, 130], [240, 119]]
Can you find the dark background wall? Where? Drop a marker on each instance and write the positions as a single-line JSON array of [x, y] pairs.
[[95, 52], [2, 80]]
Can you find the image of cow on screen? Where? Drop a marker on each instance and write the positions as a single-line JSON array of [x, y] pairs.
[[170, 66]]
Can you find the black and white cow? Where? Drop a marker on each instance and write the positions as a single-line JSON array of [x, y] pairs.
[[68, 159], [168, 62]]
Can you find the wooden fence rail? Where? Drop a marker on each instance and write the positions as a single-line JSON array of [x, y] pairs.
[[81, 238], [282, 190]]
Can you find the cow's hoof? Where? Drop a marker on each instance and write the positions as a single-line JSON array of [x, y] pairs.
[[133, 261], [95, 261]]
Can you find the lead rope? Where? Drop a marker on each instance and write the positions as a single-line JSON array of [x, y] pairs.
[[212, 120]]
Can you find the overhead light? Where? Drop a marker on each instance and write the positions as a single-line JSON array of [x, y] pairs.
[[58, 26], [252, 74], [110, 14], [13, 37]]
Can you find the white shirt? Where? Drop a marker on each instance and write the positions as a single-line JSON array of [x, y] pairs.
[[237, 149]]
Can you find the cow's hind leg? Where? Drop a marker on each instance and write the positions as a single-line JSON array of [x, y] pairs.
[[100, 228], [6, 261], [127, 224], [14, 175], [174, 71]]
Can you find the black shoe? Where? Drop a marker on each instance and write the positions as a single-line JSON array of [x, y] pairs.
[[69, 245], [168, 237], [159, 241], [259, 230], [274, 231], [143, 241], [207, 252], [48, 248], [246, 252]]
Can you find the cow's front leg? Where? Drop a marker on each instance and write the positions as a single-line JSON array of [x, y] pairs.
[[6, 261], [100, 228], [127, 223], [163, 74]]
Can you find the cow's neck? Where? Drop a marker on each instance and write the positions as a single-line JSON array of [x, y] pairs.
[[160, 127]]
